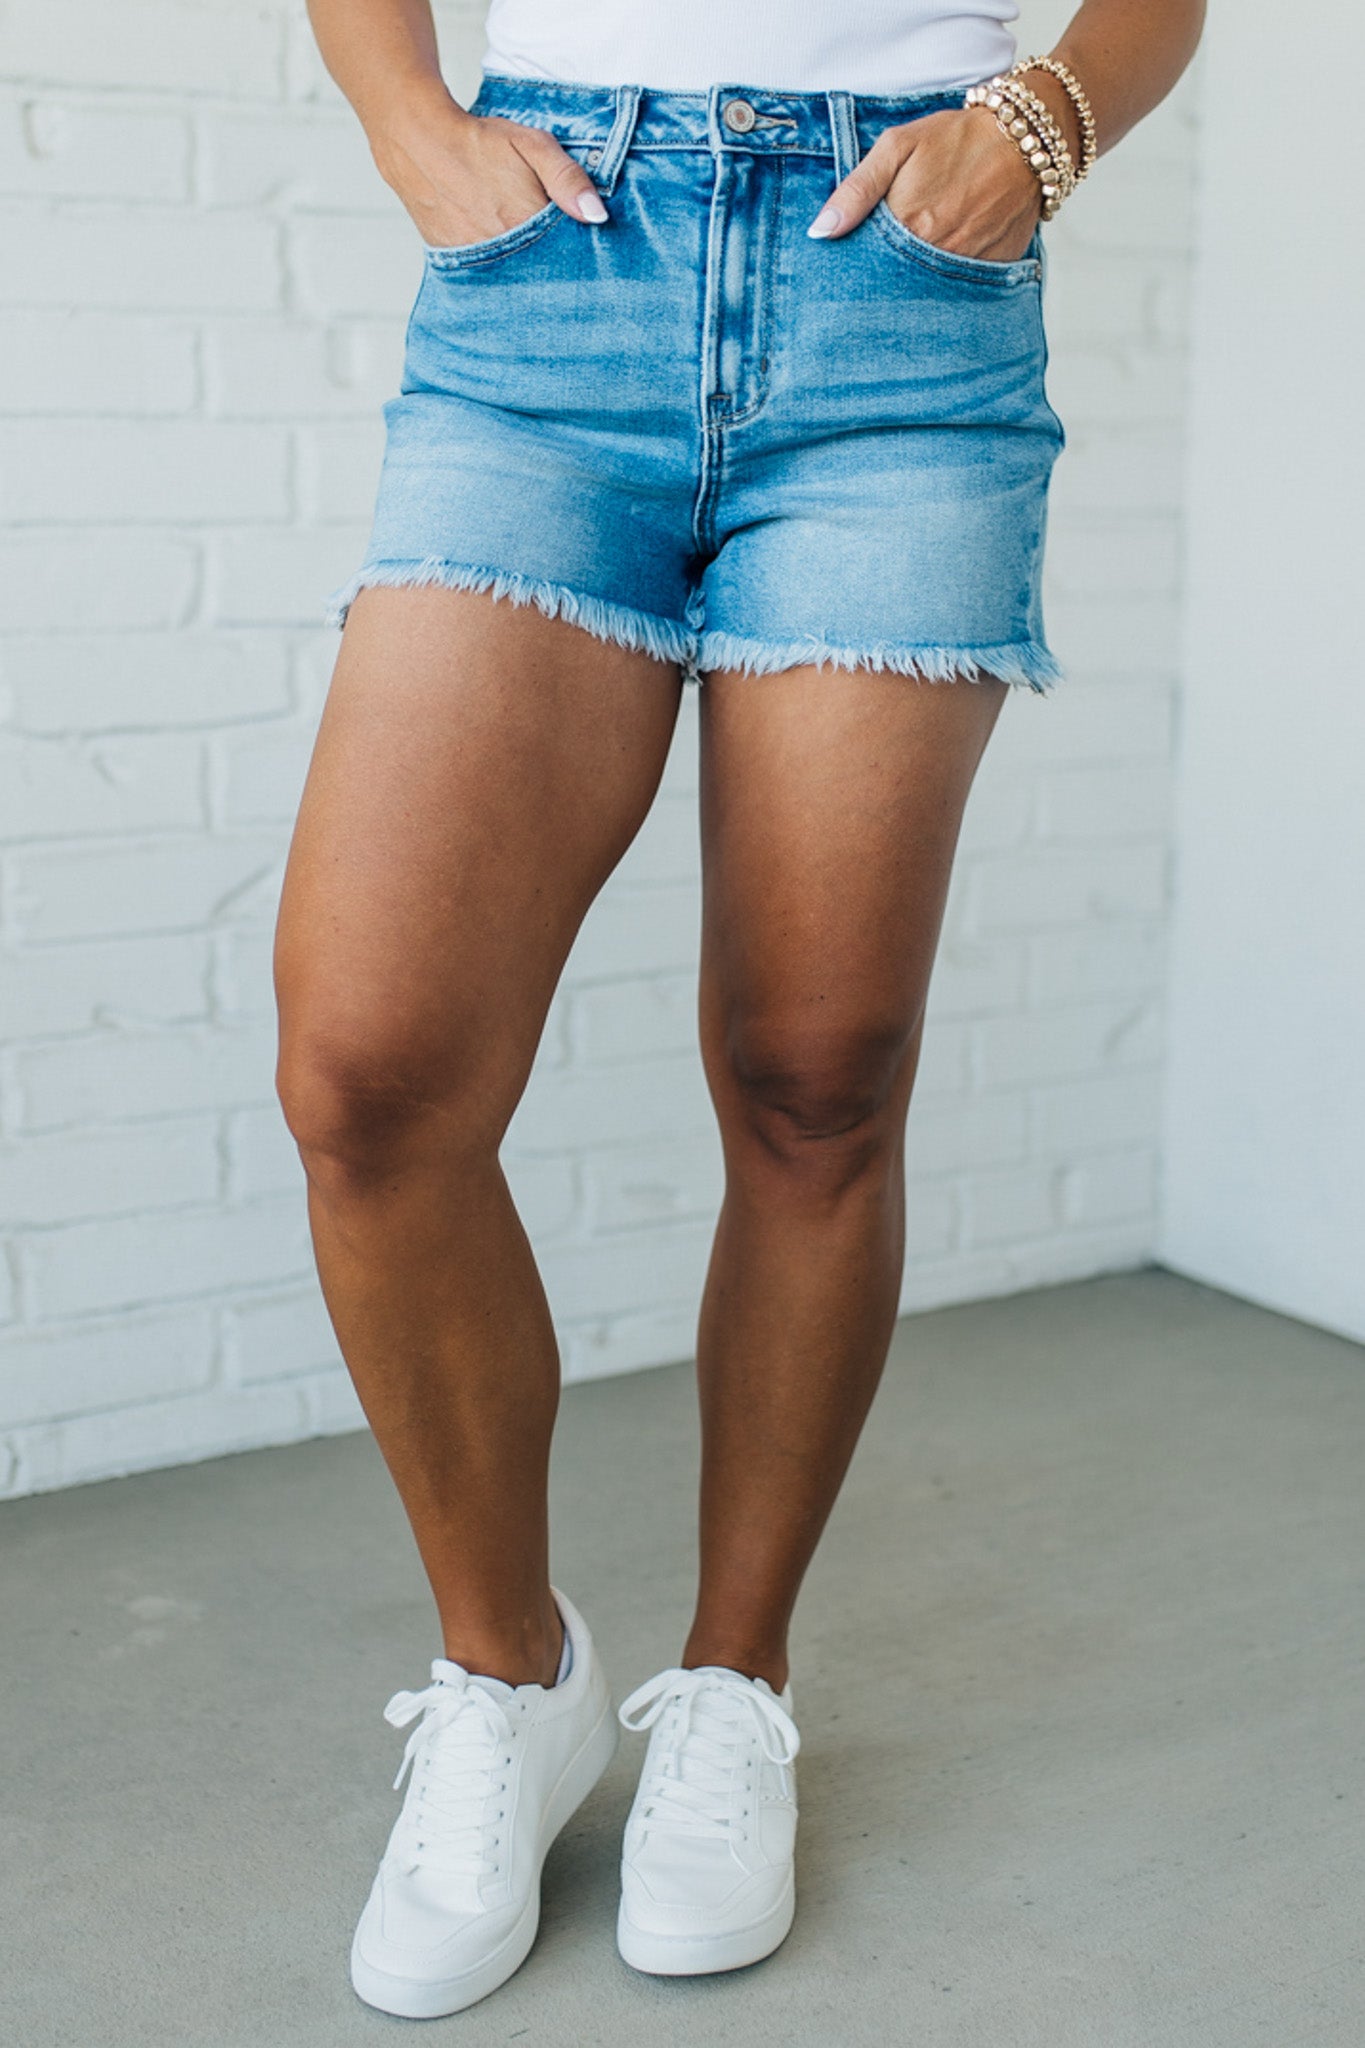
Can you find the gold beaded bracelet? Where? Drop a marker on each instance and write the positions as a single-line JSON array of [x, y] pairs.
[[1076, 93], [1035, 110], [1016, 111]]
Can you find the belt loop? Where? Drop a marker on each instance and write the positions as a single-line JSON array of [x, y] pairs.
[[844, 129], [606, 172]]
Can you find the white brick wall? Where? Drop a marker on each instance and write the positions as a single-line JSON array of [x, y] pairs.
[[201, 311]]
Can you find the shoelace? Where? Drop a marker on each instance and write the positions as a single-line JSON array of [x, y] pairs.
[[693, 1785], [453, 1753]]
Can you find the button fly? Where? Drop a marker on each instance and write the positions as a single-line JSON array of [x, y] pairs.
[[739, 116]]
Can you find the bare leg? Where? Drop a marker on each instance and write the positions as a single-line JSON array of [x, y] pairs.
[[479, 771], [831, 805]]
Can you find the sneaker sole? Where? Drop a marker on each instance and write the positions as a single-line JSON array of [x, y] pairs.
[[700, 1955], [416, 1998]]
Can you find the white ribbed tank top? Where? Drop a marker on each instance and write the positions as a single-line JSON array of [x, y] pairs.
[[877, 46]]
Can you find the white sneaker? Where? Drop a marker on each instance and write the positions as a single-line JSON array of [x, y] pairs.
[[707, 1873], [497, 1770]]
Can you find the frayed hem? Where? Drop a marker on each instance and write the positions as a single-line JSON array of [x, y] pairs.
[[1024, 664], [642, 632]]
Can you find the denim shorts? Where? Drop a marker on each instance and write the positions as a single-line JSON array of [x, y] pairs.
[[698, 432]]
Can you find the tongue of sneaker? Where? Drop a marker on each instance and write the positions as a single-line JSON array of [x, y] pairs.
[[446, 1671], [728, 1671]]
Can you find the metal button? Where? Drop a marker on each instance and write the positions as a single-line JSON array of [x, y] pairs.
[[738, 115], [594, 157]]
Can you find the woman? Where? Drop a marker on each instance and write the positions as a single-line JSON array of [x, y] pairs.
[[727, 365]]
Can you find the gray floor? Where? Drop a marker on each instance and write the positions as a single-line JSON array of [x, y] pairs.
[[1079, 1671]]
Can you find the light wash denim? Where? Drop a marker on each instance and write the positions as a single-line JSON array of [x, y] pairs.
[[698, 432]]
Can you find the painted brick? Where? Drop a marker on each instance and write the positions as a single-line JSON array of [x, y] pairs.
[[1134, 213], [1066, 966], [545, 1192], [89, 472], [665, 1098], [952, 1136], [119, 1263], [287, 368], [262, 1156], [157, 45], [261, 774], [59, 788], [600, 1347], [61, 359], [93, 682], [64, 149], [281, 578], [124, 982], [243, 976], [124, 1073], [932, 1217], [316, 161], [1136, 557], [1096, 1115], [1063, 1042], [173, 884], [339, 469], [281, 1335], [65, 1178], [633, 1186], [1106, 637], [1139, 384], [650, 930], [646, 1269], [1044, 887], [973, 977], [1092, 801], [1118, 469], [1095, 721], [945, 1058], [111, 580], [354, 266], [938, 1280], [331, 1404], [999, 809], [666, 847], [1004, 1207], [46, 1376], [143, 259], [1112, 1187], [153, 1433], [613, 1020]]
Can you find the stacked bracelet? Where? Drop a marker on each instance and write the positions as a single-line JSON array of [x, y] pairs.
[[1076, 93], [1021, 115], [1027, 120]]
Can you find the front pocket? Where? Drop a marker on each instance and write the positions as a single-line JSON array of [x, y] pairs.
[[456, 255], [947, 262], [460, 255]]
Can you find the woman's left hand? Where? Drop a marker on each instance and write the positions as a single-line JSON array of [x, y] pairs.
[[952, 178]]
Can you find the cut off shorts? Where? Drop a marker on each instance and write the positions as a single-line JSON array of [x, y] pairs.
[[697, 432]]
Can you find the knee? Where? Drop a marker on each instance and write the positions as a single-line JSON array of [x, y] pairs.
[[822, 1106], [364, 1102]]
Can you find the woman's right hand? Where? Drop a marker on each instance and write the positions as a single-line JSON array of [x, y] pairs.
[[468, 177]]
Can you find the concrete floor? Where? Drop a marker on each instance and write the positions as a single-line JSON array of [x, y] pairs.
[[1079, 1671]]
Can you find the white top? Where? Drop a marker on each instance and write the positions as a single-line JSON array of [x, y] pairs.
[[874, 46]]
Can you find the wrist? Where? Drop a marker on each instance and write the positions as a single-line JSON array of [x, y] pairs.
[[413, 109]]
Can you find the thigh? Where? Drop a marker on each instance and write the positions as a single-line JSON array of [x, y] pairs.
[[831, 804], [478, 772]]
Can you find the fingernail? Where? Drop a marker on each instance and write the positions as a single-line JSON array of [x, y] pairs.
[[825, 222], [591, 207]]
